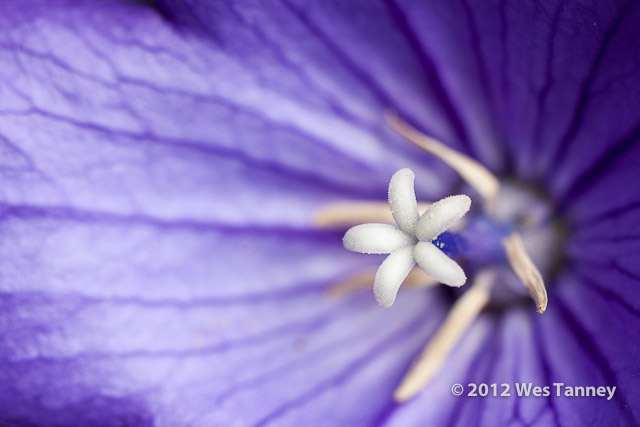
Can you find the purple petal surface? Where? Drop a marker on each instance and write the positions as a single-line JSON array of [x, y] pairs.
[[161, 164], [157, 266]]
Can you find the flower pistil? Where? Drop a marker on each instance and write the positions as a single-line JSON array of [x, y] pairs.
[[419, 237]]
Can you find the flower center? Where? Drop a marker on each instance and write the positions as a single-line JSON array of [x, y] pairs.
[[504, 244], [521, 209]]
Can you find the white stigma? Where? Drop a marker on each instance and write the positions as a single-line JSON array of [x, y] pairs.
[[402, 200], [376, 239], [409, 242], [441, 215]]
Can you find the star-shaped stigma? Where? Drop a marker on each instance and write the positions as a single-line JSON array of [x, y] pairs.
[[409, 242]]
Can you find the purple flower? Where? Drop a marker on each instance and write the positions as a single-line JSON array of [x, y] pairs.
[[162, 163]]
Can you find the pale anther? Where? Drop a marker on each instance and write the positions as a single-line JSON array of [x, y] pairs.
[[417, 278], [474, 173], [435, 353], [348, 213], [526, 270]]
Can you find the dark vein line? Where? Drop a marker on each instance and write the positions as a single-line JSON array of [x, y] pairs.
[[543, 93], [608, 294], [358, 364], [587, 341], [603, 164], [294, 326], [431, 72], [200, 147], [478, 358], [64, 213], [610, 213], [546, 367], [562, 146]]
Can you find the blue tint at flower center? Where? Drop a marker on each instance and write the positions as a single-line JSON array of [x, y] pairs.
[[452, 244], [480, 242]]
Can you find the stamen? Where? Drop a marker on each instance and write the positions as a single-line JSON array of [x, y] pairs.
[[458, 320], [348, 213], [526, 270], [476, 175], [364, 280]]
